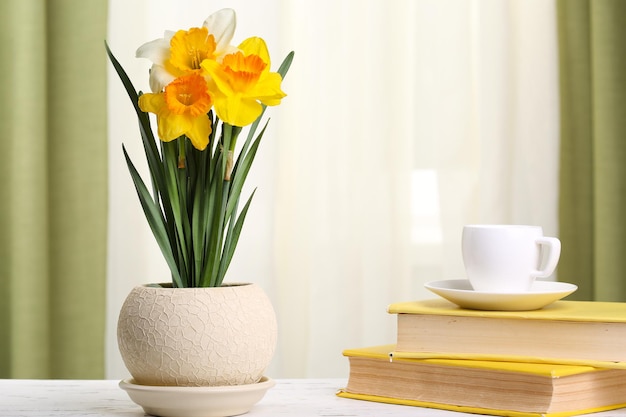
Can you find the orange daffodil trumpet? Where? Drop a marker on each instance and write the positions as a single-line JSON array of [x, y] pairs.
[[182, 110], [204, 91], [244, 81]]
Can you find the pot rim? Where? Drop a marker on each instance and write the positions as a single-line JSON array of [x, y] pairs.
[[168, 286]]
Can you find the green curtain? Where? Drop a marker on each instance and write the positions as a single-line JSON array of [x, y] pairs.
[[53, 188], [592, 45]]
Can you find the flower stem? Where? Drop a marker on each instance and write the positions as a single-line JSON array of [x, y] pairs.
[[181, 152]]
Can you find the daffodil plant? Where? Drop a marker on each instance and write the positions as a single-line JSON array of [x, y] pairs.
[[204, 92]]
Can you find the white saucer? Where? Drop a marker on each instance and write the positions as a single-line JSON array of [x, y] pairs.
[[460, 292], [196, 401]]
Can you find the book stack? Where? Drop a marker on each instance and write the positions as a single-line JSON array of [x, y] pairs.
[[566, 359]]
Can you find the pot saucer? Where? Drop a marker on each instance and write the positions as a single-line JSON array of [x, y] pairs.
[[460, 292], [222, 401]]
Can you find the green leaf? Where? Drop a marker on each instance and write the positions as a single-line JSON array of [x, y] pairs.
[[285, 65], [242, 171], [175, 181], [216, 236], [149, 143], [199, 223], [231, 241], [155, 219]]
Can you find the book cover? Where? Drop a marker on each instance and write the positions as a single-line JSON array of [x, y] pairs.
[[589, 311], [570, 332], [483, 387]]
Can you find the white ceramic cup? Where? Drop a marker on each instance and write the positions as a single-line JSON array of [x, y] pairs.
[[507, 258]]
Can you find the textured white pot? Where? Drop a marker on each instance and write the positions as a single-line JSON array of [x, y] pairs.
[[197, 336]]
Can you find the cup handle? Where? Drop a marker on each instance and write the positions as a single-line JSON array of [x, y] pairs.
[[554, 252]]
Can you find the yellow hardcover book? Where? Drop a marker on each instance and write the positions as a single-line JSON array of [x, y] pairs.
[[483, 387], [565, 332]]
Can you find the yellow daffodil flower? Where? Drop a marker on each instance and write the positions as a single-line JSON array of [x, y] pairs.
[[243, 81], [179, 53], [181, 110]]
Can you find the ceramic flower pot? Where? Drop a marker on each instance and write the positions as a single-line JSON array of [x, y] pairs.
[[197, 336]]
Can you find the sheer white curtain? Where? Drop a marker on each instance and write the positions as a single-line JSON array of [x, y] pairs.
[[486, 125], [404, 120]]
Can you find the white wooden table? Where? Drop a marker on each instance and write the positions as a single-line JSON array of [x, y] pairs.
[[290, 397]]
